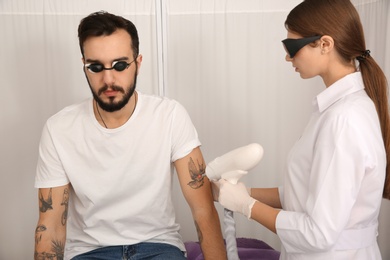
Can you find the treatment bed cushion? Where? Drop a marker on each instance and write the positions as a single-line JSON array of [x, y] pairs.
[[248, 249]]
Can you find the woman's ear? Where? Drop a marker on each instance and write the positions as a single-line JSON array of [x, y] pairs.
[[326, 44]]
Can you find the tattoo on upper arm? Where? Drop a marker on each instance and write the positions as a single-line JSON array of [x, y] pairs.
[[200, 236], [45, 204], [65, 202], [197, 174]]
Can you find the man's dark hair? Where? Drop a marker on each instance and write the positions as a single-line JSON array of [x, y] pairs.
[[103, 23]]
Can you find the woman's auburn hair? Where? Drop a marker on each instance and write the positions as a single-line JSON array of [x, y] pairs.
[[340, 20]]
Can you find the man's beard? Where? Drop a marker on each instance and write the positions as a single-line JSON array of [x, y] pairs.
[[112, 106]]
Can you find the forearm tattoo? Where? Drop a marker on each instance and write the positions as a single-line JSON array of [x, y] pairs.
[[197, 174], [57, 253]]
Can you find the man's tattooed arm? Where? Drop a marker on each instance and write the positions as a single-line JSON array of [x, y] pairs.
[[196, 189], [50, 234]]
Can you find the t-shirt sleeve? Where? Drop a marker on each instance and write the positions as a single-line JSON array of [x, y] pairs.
[[50, 171], [184, 135]]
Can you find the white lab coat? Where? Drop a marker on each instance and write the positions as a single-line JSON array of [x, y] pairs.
[[332, 189]]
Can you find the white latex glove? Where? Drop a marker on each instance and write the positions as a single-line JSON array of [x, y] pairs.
[[235, 197], [215, 188]]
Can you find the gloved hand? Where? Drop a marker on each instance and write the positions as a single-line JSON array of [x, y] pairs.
[[215, 189], [235, 197]]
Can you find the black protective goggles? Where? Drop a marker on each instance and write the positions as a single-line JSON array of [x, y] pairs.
[[292, 46], [116, 65]]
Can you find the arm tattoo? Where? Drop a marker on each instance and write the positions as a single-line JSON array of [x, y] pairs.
[[200, 236], [45, 204], [197, 176], [58, 248], [65, 202], [57, 253], [38, 233]]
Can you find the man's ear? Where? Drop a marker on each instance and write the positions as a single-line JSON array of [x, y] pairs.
[[139, 62]]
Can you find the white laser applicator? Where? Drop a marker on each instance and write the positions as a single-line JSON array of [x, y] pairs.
[[231, 167]]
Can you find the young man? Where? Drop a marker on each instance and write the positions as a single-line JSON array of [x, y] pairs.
[[105, 165]]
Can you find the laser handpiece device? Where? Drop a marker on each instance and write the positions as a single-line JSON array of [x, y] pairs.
[[231, 167]]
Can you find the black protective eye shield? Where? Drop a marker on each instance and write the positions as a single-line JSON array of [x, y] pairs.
[[292, 46], [116, 65]]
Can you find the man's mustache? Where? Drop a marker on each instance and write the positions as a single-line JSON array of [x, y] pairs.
[[115, 88]]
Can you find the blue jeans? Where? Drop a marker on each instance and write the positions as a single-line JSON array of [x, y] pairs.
[[155, 251]]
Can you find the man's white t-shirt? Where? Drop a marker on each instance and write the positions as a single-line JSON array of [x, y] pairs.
[[121, 179]]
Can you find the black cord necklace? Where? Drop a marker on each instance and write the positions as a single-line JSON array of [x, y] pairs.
[[101, 118]]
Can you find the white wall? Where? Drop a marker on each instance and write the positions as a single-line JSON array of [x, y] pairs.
[[223, 60]]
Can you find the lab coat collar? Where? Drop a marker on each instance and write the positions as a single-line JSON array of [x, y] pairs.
[[345, 86]]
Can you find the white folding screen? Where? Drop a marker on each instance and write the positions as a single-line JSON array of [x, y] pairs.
[[222, 59], [226, 65]]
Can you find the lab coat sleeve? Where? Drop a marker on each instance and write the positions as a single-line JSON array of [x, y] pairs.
[[338, 167]]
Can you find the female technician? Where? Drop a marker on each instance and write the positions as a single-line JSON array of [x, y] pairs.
[[329, 203]]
